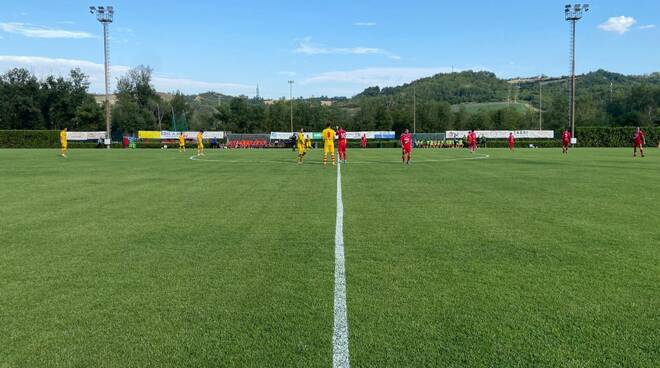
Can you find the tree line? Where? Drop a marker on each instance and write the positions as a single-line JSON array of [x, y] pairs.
[[443, 102]]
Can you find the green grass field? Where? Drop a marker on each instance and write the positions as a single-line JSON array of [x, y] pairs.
[[146, 258]]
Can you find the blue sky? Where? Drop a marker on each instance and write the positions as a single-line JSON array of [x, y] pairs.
[[328, 47]]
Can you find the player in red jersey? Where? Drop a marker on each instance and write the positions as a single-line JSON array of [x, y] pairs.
[[565, 141], [472, 141], [341, 138], [406, 146], [639, 142], [364, 141], [512, 141]]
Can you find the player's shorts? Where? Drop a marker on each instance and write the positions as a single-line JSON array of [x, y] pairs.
[[406, 149], [200, 146], [301, 149], [566, 143], [638, 144], [329, 148], [342, 146]]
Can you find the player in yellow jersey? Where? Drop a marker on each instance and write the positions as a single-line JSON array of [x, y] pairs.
[[328, 144], [182, 143], [300, 146], [200, 143], [64, 145], [308, 144]]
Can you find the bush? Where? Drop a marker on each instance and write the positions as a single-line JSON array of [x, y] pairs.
[[613, 136], [29, 139]]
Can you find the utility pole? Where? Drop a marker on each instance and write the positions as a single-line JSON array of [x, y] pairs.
[[540, 103], [291, 100], [573, 14], [105, 15], [414, 110]]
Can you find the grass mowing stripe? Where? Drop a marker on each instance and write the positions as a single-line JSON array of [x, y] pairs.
[[340, 356]]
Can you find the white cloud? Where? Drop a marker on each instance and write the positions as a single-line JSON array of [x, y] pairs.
[[365, 24], [33, 31], [43, 66], [383, 77], [620, 24], [647, 26], [287, 73], [68, 22], [307, 47]]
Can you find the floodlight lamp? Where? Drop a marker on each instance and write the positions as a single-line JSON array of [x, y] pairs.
[[585, 7], [111, 10], [92, 9], [578, 7], [101, 10]]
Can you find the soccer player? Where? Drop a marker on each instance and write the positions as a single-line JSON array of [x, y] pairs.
[[328, 144], [200, 143], [639, 142], [64, 145], [182, 143], [300, 145], [512, 141], [364, 141], [472, 141], [341, 140], [308, 144], [406, 147], [565, 140]]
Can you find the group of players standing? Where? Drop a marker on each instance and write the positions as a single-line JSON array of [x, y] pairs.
[[303, 144]]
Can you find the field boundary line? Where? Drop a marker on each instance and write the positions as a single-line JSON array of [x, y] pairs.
[[340, 355]]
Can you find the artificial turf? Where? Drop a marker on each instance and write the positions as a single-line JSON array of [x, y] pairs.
[[148, 258]]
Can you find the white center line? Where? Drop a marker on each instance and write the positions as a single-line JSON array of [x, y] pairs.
[[340, 356]]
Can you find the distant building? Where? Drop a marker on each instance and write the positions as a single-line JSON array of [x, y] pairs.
[[326, 103], [100, 99], [269, 102]]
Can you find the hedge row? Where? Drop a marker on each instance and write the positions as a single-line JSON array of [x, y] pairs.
[[613, 136], [29, 138]]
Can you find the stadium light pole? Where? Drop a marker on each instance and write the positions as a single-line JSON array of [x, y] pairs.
[[105, 15], [291, 102], [573, 13], [540, 103]]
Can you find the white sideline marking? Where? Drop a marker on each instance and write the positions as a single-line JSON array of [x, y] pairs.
[[340, 356]]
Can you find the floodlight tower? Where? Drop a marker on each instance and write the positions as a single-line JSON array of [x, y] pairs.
[[573, 13], [105, 15], [291, 101]]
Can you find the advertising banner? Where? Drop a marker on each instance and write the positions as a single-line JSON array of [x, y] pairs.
[[84, 136], [148, 134], [503, 134], [349, 135], [171, 135]]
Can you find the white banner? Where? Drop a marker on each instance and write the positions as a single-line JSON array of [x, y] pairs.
[[371, 135], [503, 134], [281, 135], [84, 136]]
